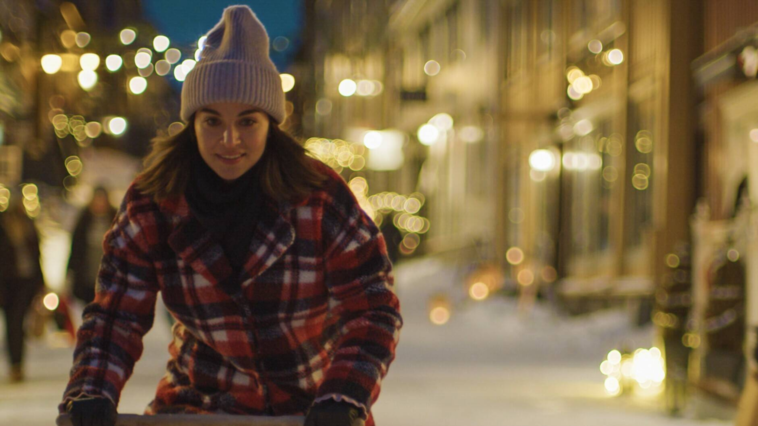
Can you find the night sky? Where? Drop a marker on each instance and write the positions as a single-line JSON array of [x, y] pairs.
[[185, 21]]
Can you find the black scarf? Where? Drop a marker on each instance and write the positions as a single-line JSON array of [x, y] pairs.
[[230, 210]]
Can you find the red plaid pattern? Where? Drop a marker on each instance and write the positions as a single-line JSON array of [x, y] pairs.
[[315, 314]]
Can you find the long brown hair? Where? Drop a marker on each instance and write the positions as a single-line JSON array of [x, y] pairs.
[[285, 171]]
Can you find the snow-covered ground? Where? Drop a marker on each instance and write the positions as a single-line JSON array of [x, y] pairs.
[[488, 366]]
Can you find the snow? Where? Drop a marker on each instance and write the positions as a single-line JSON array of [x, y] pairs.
[[489, 365]]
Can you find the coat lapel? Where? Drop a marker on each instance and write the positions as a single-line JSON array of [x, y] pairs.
[[274, 235], [198, 248]]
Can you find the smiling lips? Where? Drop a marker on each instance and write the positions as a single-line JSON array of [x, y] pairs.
[[230, 159]]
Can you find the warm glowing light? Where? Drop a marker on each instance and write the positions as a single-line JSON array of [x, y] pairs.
[[188, 65], [439, 315], [754, 135], [471, 134], [640, 182], [442, 121], [142, 59], [117, 125], [514, 256], [432, 68], [51, 64], [175, 128], [347, 87], [642, 169], [412, 205], [672, 260], [615, 57], [161, 43], [359, 186], [30, 191], [583, 85], [614, 357], [162, 67], [74, 165], [583, 127], [479, 291], [87, 79], [525, 277], [595, 46], [113, 63], [612, 386], [573, 74], [83, 39], [428, 134], [573, 93], [542, 160], [173, 55], [51, 301], [643, 142], [89, 61], [549, 274], [179, 74], [365, 88], [93, 129], [372, 140], [137, 85], [147, 71], [68, 38], [127, 36], [288, 82]]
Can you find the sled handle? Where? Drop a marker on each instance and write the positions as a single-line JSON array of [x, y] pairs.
[[196, 420]]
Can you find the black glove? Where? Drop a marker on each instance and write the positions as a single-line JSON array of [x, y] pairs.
[[334, 413], [92, 411]]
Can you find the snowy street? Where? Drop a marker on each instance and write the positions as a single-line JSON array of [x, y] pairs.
[[485, 367]]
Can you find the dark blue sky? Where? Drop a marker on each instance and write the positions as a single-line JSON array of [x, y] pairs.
[[184, 21]]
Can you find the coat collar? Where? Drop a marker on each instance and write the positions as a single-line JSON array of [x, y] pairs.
[[200, 249]]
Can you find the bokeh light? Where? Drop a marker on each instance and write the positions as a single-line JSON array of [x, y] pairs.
[[127, 36], [87, 79], [161, 43], [113, 62], [288, 82], [347, 87], [51, 64], [137, 85]]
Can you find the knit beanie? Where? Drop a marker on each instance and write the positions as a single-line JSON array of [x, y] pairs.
[[234, 66]]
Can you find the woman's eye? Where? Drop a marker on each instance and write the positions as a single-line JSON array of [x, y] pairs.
[[248, 122], [211, 121]]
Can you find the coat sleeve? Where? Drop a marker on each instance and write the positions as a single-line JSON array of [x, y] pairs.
[[109, 341], [359, 279]]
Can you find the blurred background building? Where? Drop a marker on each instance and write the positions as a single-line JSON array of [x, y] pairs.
[[589, 153]]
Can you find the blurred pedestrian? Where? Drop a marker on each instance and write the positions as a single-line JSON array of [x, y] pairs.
[[87, 245], [20, 278], [279, 282]]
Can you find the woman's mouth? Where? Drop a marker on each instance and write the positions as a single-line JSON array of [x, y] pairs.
[[230, 159]]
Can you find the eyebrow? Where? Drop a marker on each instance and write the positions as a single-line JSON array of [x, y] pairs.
[[212, 111]]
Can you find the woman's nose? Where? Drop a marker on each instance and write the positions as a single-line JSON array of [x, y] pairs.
[[231, 137]]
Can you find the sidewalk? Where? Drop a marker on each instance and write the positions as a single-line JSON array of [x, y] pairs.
[[485, 367]]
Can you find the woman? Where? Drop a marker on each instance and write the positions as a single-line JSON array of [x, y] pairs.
[[87, 245], [279, 282], [20, 278]]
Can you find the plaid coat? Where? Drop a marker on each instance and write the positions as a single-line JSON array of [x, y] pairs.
[[312, 315]]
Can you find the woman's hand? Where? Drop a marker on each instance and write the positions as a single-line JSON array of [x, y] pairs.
[[92, 411], [333, 413]]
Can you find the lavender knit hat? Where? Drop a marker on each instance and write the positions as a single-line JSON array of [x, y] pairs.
[[234, 66]]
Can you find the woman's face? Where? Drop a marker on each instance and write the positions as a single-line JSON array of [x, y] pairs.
[[231, 137]]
